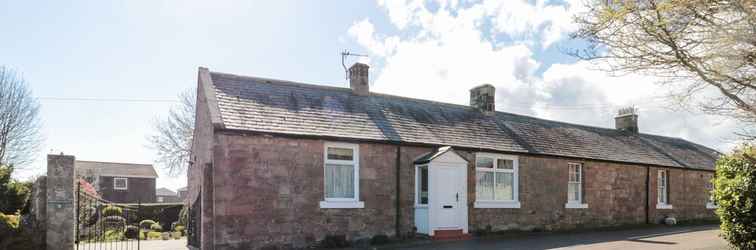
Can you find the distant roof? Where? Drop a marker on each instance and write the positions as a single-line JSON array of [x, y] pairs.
[[165, 192], [116, 169], [182, 189], [275, 106]]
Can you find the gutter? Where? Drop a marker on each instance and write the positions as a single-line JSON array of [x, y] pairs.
[[398, 193], [648, 171]]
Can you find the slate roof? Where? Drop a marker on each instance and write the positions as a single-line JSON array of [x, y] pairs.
[[165, 192], [115, 169], [276, 106]]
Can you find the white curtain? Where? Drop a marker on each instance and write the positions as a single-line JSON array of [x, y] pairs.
[[339, 181], [504, 185], [485, 186]]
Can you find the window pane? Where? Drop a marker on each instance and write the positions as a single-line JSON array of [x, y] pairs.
[[339, 181], [340, 154], [424, 185], [484, 162], [120, 183], [485, 184], [504, 184], [573, 192], [504, 164]]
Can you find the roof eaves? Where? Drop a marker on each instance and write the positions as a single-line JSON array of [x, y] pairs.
[[207, 88]]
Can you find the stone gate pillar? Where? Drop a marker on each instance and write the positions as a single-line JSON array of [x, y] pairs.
[[61, 202]]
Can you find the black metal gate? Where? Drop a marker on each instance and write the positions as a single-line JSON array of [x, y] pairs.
[[101, 224]]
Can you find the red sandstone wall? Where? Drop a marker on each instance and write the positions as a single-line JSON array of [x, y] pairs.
[[267, 191]]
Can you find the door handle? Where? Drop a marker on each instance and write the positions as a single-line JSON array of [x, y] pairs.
[[457, 197]]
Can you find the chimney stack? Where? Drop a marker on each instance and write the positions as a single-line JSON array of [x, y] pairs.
[[627, 120], [359, 80], [482, 98]]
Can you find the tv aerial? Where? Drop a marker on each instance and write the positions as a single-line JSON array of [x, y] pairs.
[[344, 55]]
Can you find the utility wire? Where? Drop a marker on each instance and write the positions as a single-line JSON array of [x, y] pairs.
[[88, 99]]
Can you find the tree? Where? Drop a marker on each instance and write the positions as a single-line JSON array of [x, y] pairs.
[[696, 47], [735, 195], [19, 120], [13, 194], [173, 140]]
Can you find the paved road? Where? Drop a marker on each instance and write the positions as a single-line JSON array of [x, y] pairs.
[[689, 237]]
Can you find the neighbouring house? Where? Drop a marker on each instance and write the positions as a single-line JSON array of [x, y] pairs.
[[182, 193], [120, 182], [165, 195], [284, 164]]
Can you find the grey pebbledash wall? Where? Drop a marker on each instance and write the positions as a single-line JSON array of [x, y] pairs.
[[61, 200], [265, 190]]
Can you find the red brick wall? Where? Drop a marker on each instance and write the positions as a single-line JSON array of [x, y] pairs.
[[267, 191]]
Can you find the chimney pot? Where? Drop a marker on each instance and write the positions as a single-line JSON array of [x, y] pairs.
[[482, 98], [627, 120], [359, 79]]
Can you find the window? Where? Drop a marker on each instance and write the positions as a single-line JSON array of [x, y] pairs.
[[160, 199], [120, 183], [575, 186], [496, 181], [662, 190], [341, 176], [421, 178], [710, 203]]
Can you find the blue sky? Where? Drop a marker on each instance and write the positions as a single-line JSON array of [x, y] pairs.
[[150, 50]]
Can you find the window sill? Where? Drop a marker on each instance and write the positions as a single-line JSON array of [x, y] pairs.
[[421, 206], [497, 204], [710, 205], [342, 204], [575, 205], [663, 206]]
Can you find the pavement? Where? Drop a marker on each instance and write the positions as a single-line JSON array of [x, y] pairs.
[[664, 237]]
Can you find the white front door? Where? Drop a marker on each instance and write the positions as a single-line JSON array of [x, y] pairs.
[[448, 197]]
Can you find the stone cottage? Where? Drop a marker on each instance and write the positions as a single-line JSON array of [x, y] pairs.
[[280, 163]]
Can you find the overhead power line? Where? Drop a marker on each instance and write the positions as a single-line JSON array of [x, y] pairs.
[[94, 99]]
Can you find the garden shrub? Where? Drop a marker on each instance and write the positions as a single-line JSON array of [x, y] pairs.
[[735, 195], [180, 229], [379, 239], [154, 235], [14, 193], [112, 211], [176, 235], [183, 215], [146, 224], [334, 241], [113, 235], [131, 232], [166, 236], [156, 227], [9, 220]]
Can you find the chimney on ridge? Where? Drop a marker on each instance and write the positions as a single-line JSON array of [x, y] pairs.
[[627, 120], [359, 80], [482, 98]]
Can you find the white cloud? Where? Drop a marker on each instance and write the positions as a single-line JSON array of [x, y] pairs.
[[441, 54]]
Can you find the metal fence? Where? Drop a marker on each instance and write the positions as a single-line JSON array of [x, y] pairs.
[[101, 224]]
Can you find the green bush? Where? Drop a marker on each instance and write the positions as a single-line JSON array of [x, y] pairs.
[[154, 235], [13, 193], [180, 229], [156, 227], [735, 195], [9, 220], [112, 211], [131, 232], [114, 235], [146, 224]]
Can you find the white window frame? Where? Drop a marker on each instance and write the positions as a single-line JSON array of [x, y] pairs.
[[579, 202], [160, 199], [515, 202], [418, 186], [353, 202], [125, 180], [662, 182]]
